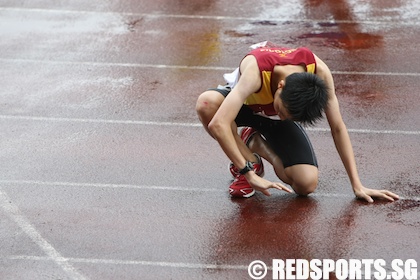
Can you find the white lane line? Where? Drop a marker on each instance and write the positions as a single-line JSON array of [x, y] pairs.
[[10, 183], [369, 131], [14, 213], [114, 186], [104, 121], [156, 123], [144, 263], [370, 73], [212, 17], [138, 262], [113, 64], [186, 67]]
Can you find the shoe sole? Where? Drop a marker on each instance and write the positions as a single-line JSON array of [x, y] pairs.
[[242, 195]]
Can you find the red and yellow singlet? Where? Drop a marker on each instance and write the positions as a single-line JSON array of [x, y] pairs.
[[267, 58]]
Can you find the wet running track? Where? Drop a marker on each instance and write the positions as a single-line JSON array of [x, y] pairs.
[[106, 173]]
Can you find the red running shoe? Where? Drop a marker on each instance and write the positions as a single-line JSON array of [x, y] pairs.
[[241, 188], [246, 134]]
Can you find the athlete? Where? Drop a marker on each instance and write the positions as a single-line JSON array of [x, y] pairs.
[[273, 90]]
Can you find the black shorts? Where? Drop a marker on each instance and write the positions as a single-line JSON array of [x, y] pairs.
[[287, 138]]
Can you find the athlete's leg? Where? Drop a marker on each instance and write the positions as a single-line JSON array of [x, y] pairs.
[[287, 147], [258, 145], [207, 105], [303, 178]]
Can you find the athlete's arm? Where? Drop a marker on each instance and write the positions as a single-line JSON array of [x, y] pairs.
[[220, 125], [342, 140]]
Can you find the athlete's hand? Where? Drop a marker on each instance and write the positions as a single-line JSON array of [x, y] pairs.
[[262, 185], [368, 194]]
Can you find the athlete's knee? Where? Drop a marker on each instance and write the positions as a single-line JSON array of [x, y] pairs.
[[305, 185], [305, 180], [201, 105], [207, 104], [305, 188]]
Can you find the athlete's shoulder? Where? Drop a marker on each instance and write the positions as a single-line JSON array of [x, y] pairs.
[[249, 61]]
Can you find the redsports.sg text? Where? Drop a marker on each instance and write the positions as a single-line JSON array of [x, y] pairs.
[[352, 269]]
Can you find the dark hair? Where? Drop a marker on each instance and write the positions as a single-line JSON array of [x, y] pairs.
[[305, 97]]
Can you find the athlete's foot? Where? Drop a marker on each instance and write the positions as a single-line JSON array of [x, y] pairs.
[[241, 188]]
